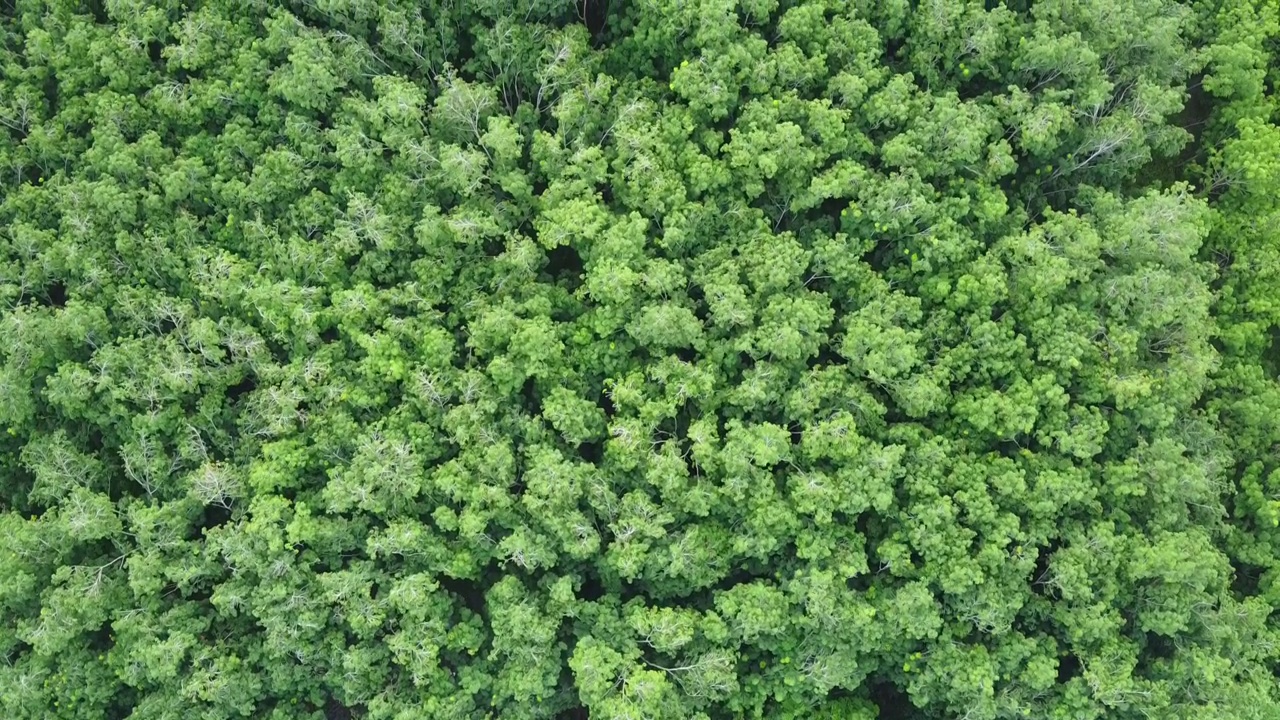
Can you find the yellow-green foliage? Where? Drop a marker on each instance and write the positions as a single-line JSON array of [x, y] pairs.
[[669, 359]]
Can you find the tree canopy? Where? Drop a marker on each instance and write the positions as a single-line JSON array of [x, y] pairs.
[[639, 359]]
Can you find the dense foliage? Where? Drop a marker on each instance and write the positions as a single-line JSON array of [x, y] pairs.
[[639, 359]]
